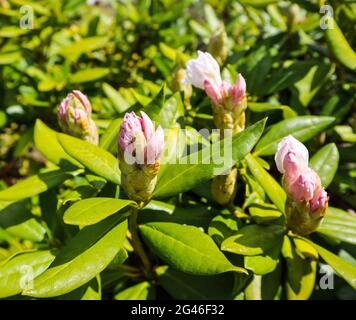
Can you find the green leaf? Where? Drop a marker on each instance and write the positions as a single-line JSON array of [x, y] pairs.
[[185, 286], [301, 260], [92, 157], [168, 113], [140, 291], [87, 45], [262, 264], [342, 268], [108, 140], [195, 215], [325, 162], [9, 57], [263, 107], [18, 221], [46, 142], [339, 46], [18, 272], [192, 170], [254, 239], [34, 185], [88, 75], [186, 248], [90, 211], [223, 226], [85, 256], [116, 99], [271, 186], [339, 225], [302, 128]]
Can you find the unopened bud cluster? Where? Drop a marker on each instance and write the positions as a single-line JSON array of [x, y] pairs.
[[307, 200], [74, 117]]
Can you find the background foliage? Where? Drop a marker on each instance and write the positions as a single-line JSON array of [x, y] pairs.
[[64, 217]]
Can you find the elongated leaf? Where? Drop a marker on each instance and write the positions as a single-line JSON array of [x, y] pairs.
[[339, 225], [302, 128], [263, 107], [85, 256], [92, 157], [186, 248], [325, 162], [254, 240], [168, 113], [34, 185], [344, 269], [197, 168], [339, 46], [46, 142], [141, 291], [118, 102], [18, 221], [74, 50], [108, 140], [92, 210], [88, 75], [157, 211], [186, 286], [18, 272], [271, 186], [301, 268]]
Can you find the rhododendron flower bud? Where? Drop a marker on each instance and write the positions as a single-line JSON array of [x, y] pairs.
[[218, 44], [229, 101], [74, 117], [307, 200], [140, 147]]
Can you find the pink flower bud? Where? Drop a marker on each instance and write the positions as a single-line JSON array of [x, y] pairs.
[[319, 201], [307, 201], [238, 91], [204, 68], [298, 154], [139, 139], [74, 117]]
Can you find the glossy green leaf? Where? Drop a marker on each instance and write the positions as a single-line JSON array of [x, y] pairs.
[[301, 260], [254, 239], [18, 221], [181, 177], [140, 291], [344, 269], [339, 225], [263, 107], [88, 75], [85, 256], [18, 272], [92, 157], [186, 248], [339, 46], [46, 142], [86, 45], [90, 211], [325, 162], [34, 185], [302, 128], [118, 102], [185, 286], [168, 113], [270, 186], [9, 57]]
